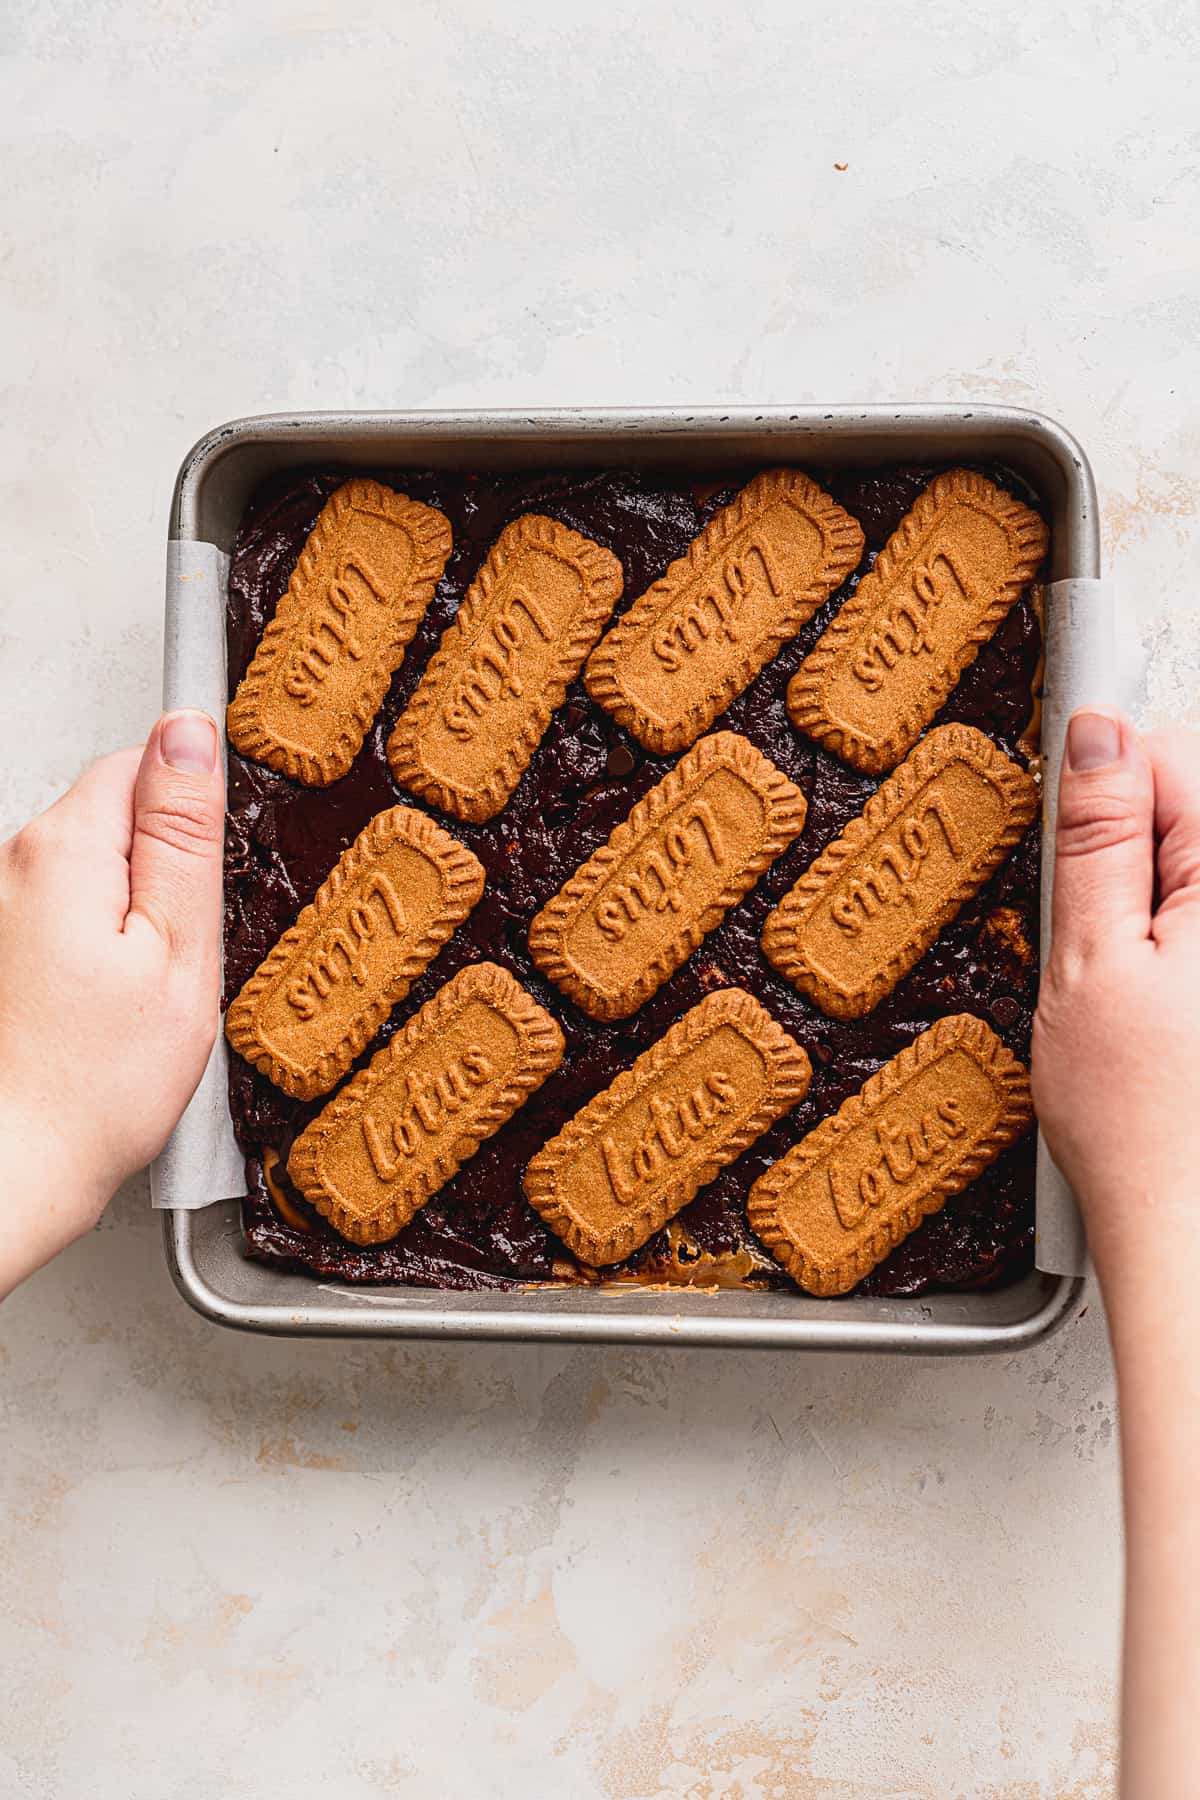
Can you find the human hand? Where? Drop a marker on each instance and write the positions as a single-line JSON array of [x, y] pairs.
[[1116, 1039], [109, 913]]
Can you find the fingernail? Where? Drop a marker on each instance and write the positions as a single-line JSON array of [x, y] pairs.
[[1093, 741], [189, 742]]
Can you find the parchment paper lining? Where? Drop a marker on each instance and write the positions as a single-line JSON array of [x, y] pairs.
[[1093, 658], [201, 1162]]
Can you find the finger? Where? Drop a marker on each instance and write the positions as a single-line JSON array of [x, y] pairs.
[[101, 799], [80, 844], [1104, 842], [1175, 759], [175, 855]]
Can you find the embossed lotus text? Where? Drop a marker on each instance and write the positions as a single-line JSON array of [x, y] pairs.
[[892, 875], [691, 849], [356, 596], [344, 950], [493, 672], [643, 1148], [332, 632], [420, 1108], [520, 636], [656, 881], [938, 589], [875, 899], [674, 1128], [904, 1152], [376, 923], [718, 610], [754, 576], [402, 1127], [911, 627], [918, 1132]]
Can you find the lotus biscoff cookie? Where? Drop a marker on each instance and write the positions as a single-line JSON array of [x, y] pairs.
[[518, 640], [356, 596], [406, 1123], [377, 921], [690, 849], [876, 898], [938, 589], [920, 1130], [644, 1147], [755, 575]]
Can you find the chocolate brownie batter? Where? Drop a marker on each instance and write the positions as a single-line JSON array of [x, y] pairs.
[[479, 1231]]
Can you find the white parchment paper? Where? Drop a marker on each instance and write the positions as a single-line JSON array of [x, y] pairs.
[[1093, 658], [201, 1162]]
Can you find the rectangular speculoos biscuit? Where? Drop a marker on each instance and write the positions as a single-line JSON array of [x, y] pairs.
[[406, 1123], [689, 850], [644, 1147], [937, 591], [875, 899], [692, 642], [324, 663], [377, 921], [518, 640], [919, 1131]]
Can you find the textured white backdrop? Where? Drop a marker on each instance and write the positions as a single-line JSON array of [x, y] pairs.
[[241, 1568]]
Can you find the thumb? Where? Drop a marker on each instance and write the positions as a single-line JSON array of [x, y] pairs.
[[178, 822], [1104, 841]]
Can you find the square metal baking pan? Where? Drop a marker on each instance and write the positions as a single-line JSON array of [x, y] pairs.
[[215, 482]]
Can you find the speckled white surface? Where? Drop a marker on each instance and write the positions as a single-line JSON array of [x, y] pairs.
[[245, 1568]]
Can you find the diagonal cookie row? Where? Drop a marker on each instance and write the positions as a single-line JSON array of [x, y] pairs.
[[863, 914], [846, 933], [838, 1202], [356, 596], [853, 925], [758, 572], [685, 648]]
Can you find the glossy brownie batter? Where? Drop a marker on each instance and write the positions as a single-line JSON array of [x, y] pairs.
[[479, 1231]]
